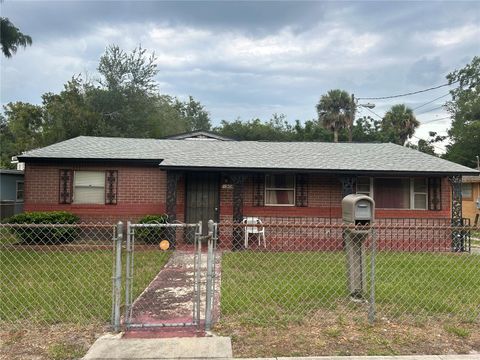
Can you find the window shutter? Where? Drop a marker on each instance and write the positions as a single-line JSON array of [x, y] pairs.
[[65, 186], [435, 193], [301, 190], [258, 190], [111, 187]]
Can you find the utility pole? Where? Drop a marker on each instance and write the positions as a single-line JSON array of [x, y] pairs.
[[352, 119]]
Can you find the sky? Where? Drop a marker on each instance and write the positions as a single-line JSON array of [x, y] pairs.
[[252, 59]]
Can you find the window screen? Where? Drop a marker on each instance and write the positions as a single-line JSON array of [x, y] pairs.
[[89, 187], [280, 190], [392, 193], [467, 192]]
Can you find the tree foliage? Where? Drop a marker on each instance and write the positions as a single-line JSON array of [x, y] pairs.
[[399, 124], [465, 110], [123, 102], [11, 38], [335, 111]]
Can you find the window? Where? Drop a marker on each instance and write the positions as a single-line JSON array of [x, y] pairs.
[[364, 186], [392, 193], [280, 190], [467, 191], [401, 193], [89, 187], [419, 193], [19, 191]]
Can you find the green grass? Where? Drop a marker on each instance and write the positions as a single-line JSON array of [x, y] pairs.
[[262, 288], [65, 286]]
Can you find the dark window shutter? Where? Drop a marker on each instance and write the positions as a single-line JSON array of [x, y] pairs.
[[65, 192], [301, 190], [111, 187], [435, 193], [258, 190]]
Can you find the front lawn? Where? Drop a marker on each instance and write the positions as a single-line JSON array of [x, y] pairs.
[[72, 286], [264, 288], [296, 304]]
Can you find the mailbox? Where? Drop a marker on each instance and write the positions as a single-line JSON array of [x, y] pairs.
[[358, 209]]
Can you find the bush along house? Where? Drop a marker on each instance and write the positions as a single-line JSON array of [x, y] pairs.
[[202, 176]]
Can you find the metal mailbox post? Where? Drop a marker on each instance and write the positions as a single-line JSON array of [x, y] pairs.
[[358, 211]]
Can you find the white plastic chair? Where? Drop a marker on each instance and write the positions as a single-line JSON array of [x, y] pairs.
[[252, 227]]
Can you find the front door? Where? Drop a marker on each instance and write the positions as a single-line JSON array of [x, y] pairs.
[[202, 198]]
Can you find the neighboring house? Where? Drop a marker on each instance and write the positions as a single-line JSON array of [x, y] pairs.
[[110, 179], [471, 198], [11, 192]]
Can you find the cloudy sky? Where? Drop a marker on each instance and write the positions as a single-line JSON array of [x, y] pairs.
[[252, 59]]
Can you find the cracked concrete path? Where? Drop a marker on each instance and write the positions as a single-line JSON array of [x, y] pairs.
[[169, 298]]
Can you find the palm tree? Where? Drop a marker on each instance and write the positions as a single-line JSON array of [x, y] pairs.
[[335, 111], [399, 124], [11, 38]]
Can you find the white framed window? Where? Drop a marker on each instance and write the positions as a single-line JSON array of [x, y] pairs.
[[401, 193], [419, 191], [280, 189], [365, 186], [19, 190], [89, 187]]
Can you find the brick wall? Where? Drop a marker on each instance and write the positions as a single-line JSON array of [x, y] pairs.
[[141, 191]]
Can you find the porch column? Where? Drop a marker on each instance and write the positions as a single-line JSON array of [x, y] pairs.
[[171, 205], [348, 185], [237, 234], [457, 234]]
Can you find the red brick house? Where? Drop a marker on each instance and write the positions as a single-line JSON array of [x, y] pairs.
[[201, 176]]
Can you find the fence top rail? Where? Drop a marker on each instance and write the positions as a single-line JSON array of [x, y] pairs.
[[79, 225], [167, 225], [375, 226]]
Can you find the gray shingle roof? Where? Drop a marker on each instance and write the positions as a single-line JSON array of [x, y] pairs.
[[317, 156]]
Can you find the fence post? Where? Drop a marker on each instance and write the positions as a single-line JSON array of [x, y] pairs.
[[127, 275], [371, 305], [209, 292], [118, 277]]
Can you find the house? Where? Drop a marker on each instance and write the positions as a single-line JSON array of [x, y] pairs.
[[110, 179], [471, 198], [11, 192]]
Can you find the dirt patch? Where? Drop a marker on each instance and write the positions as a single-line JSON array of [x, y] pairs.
[[326, 333], [60, 341]]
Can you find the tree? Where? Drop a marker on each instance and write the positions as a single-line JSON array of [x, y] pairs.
[[12, 38], [194, 113], [367, 129], [465, 110], [399, 124], [335, 111]]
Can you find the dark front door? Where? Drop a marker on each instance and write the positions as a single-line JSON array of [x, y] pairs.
[[202, 198]]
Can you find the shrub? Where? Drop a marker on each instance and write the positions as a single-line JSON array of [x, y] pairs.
[[45, 234], [152, 235]]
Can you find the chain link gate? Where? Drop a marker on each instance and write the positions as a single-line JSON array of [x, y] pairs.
[[153, 305]]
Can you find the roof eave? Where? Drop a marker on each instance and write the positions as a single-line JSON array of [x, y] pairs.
[[318, 171], [46, 160]]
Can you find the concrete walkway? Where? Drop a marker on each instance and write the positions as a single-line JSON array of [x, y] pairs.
[[168, 299]]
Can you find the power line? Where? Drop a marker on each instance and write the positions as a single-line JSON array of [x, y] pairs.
[[431, 101], [430, 121], [406, 94], [430, 110]]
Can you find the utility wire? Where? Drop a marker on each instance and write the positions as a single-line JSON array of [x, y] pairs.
[[418, 138], [406, 94], [430, 110], [430, 121], [431, 101]]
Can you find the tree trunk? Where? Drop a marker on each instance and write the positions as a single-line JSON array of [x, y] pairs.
[[335, 135]]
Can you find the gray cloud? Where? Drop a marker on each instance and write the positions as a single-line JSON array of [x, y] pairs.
[[251, 59]]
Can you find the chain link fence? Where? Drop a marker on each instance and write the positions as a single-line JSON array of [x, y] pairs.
[[64, 273], [287, 270]]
